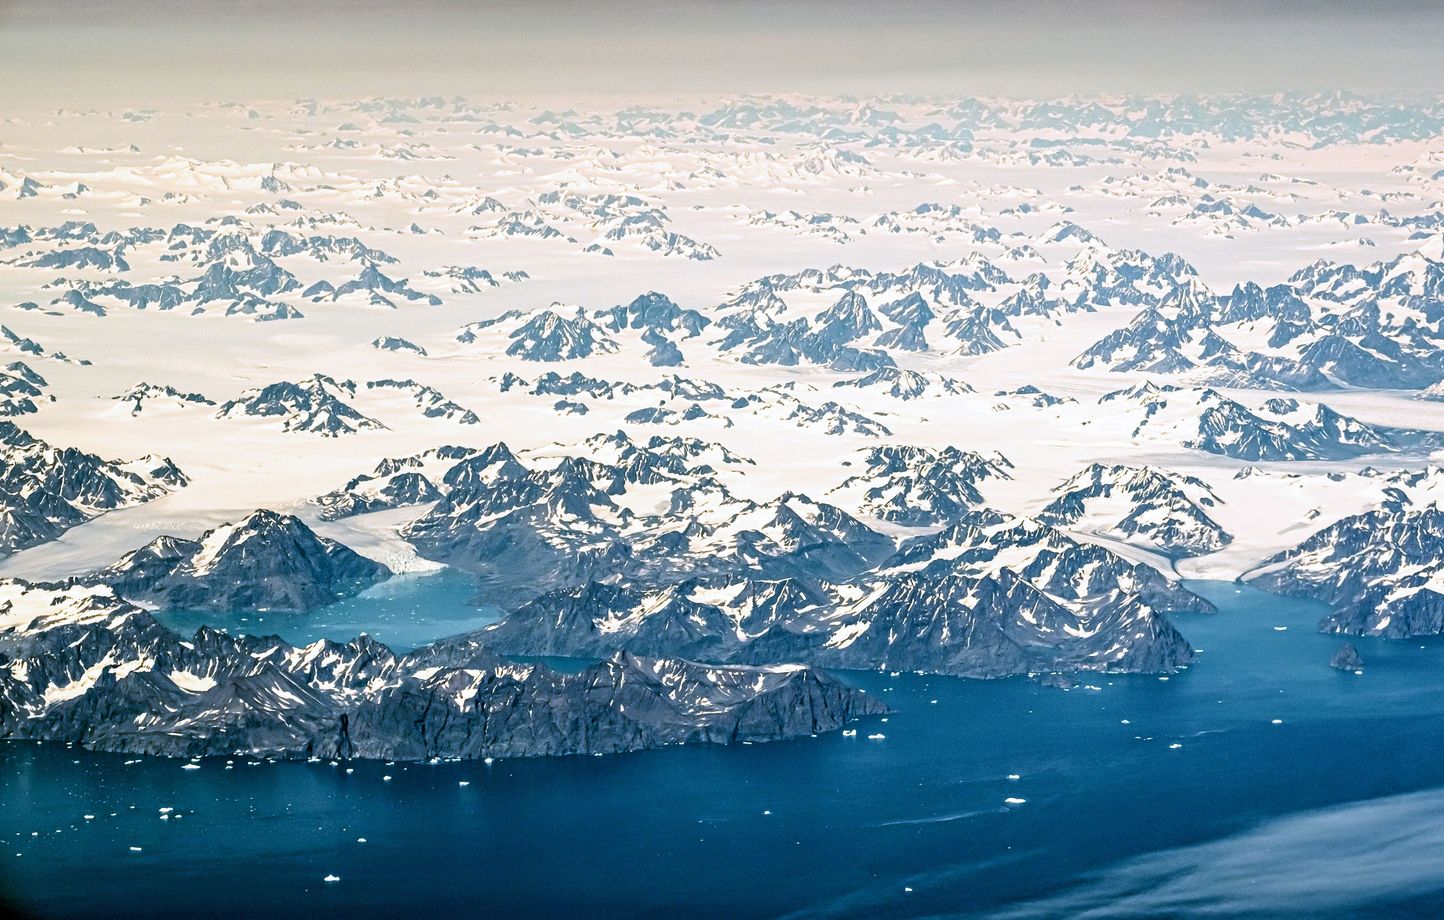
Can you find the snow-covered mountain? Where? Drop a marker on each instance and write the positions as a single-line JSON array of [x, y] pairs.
[[265, 561], [1329, 325], [919, 487], [85, 666], [649, 512], [546, 335], [1279, 429], [903, 384], [318, 405], [986, 597], [158, 397], [1155, 508], [46, 490], [394, 483], [1381, 570], [856, 382]]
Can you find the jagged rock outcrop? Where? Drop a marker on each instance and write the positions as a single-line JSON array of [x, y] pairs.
[[528, 527], [46, 490], [266, 561], [319, 405], [85, 667], [1162, 510], [1382, 571], [988, 597], [1347, 658]]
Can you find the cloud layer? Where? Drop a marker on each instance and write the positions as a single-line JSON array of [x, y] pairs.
[[73, 50], [1317, 863]]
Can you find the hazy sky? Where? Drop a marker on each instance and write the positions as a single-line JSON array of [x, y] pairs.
[[78, 51]]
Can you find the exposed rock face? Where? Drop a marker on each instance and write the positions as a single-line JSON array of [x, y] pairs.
[[1328, 325], [1056, 681], [1157, 508], [20, 388], [905, 385], [318, 405], [267, 561], [548, 335], [1382, 571], [1347, 658], [529, 527], [919, 487], [654, 312], [989, 597], [970, 627], [721, 578], [45, 490], [393, 343], [922, 309], [84, 666], [431, 401], [372, 280], [625, 703], [1282, 429], [142, 394], [395, 483]]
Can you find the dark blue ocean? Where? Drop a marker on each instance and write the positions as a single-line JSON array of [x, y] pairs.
[[1260, 782]]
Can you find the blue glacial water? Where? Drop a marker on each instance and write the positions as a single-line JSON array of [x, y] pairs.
[[404, 611], [1143, 798]]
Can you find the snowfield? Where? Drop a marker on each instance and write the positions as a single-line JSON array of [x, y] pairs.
[[1193, 342]]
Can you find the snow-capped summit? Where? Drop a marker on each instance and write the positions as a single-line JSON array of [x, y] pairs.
[[1281, 429], [318, 405], [919, 487], [46, 490], [265, 561], [136, 398], [1382, 570], [1156, 508], [903, 384], [553, 334]]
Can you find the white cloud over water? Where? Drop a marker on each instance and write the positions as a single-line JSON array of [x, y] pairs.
[[1318, 862]]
